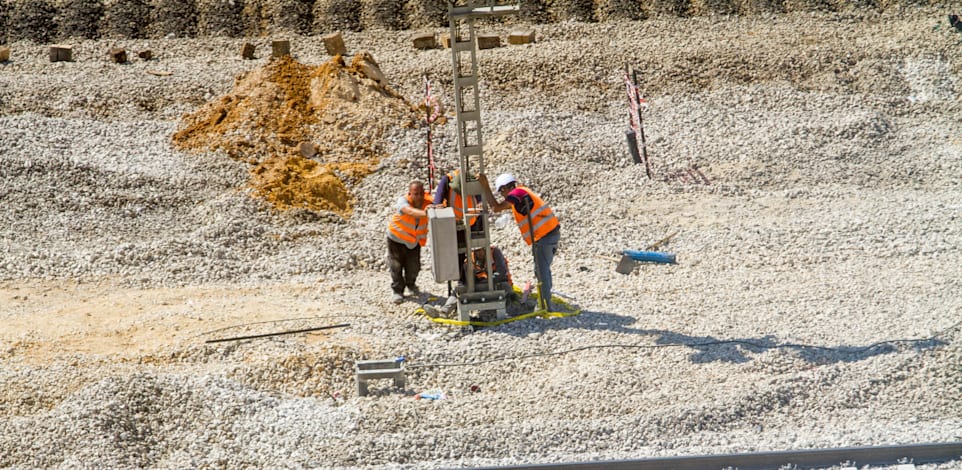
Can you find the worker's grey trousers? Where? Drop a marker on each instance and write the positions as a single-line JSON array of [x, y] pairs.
[[544, 251]]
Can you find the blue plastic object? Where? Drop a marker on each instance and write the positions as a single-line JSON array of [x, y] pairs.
[[653, 256], [429, 396]]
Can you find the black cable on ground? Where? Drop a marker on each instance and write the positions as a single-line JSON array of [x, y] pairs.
[[282, 320], [265, 335], [691, 345]]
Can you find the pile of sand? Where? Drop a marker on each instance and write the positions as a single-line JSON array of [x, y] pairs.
[[306, 130]]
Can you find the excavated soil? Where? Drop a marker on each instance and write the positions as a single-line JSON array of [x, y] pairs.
[[309, 132]]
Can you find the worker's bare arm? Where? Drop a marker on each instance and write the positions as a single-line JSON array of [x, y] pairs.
[[408, 210], [489, 196]]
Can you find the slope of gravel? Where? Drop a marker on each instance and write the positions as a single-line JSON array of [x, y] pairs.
[[57, 20], [815, 303]]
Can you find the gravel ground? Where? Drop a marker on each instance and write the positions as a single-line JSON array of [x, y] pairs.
[[815, 302]]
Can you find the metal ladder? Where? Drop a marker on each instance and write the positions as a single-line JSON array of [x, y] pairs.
[[467, 102]]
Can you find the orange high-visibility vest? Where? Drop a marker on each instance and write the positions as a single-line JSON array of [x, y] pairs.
[[409, 229], [456, 202], [542, 218]]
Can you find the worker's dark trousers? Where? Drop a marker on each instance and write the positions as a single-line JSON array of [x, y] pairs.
[[405, 264]]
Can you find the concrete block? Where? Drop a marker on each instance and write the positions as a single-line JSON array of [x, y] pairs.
[[521, 37], [488, 41], [146, 54], [4, 53], [247, 51], [118, 55], [424, 41], [334, 44], [446, 41], [61, 53], [280, 48]]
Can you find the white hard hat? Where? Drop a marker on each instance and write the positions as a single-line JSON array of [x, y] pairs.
[[503, 180]]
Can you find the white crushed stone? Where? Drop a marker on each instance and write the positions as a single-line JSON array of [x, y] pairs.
[[833, 222]]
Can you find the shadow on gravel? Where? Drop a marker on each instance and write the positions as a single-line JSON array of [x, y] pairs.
[[709, 349], [739, 350]]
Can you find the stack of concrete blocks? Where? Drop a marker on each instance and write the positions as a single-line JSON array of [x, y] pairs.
[[247, 51], [488, 41], [521, 37], [280, 48], [61, 53], [334, 44], [118, 55], [424, 41]]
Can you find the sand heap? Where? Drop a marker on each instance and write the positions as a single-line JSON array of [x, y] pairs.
[[309, 132]]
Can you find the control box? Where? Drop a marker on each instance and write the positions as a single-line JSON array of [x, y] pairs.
[[443, 239]]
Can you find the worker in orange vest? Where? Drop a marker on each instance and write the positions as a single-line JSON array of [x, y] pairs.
[[407, 232], [448, 193], [538, 224], [499, 266]]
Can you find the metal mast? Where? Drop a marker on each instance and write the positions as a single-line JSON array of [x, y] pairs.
[[467, 102]]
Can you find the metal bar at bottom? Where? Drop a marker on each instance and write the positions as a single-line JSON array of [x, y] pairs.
[[811, 458]]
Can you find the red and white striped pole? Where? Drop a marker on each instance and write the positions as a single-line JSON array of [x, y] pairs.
[[635, 105]]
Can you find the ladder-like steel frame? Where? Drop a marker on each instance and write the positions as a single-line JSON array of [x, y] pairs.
[[467, 103]]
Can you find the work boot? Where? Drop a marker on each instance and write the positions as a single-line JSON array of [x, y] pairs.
[[450, 305], [413, 291], [397, 298], [431, 311]]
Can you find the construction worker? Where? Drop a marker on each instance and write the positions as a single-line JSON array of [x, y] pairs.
[[407, 232], [499, 266], [448, 194], [538, 225]]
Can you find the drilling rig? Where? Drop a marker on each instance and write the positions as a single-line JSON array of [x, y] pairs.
[[472, 295]]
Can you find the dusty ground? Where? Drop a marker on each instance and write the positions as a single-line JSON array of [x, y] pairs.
[[47, 321], [815, 303]]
